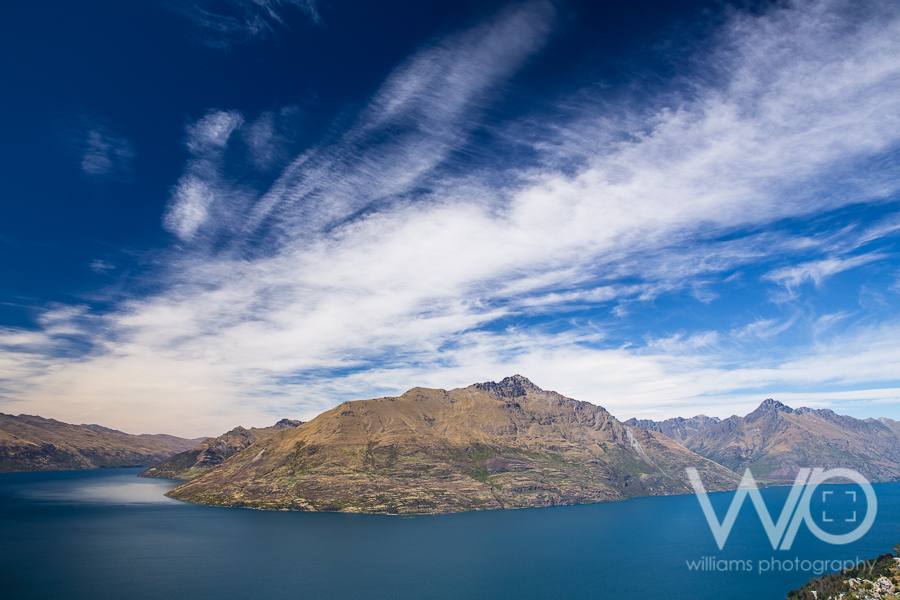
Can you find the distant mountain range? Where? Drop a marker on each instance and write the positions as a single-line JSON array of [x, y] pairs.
[[490, 445], [213, 451], [775, 441], [30, 443], [679, 428]]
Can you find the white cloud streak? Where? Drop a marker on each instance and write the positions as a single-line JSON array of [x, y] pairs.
[[421, 113], [202, 184], [229, 22], [818, 271], [99, 265], [346, 279]]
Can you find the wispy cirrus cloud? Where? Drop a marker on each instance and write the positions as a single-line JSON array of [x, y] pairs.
[[99, 265], [764, 328], [268, 137], [202, 188], [818, 271], [103, 154], [381, 259], [423, 112], [228, 22]]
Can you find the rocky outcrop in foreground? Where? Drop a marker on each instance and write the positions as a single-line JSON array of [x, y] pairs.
[[488, 446], [876, 579]]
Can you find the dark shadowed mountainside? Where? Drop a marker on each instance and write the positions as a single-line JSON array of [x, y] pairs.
[[213, 451], [487, 446]]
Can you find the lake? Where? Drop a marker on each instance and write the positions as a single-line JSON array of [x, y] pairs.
[[110, 534]]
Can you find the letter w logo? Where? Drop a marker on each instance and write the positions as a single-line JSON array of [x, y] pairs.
[[804, 485], [774, 530]]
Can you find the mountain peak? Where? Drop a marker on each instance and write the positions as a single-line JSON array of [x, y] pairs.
[[505, 444], [769, 406], [775, 404], [509, 387]]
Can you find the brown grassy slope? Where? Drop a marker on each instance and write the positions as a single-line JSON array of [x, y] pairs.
[[213, 451], [486, 446], [31, 443]]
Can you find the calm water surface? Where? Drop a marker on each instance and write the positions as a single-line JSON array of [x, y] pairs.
[[111, 534]]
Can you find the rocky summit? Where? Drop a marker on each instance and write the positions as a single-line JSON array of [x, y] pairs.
[[487, 446]]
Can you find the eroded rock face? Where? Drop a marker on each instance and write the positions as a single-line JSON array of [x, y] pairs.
[[490, 445], [678, 428], [213, 451]]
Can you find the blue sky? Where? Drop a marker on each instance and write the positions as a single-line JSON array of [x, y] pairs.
[[227, 212]]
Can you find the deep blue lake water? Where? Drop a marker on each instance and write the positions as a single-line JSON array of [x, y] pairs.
[[110, 534]]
